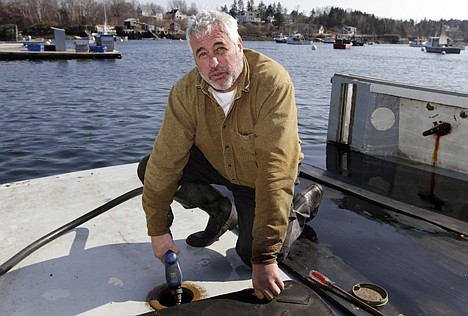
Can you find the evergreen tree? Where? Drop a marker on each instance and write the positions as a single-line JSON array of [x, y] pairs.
[[234, 11], [250, 5], [240, 6], [262, 11]]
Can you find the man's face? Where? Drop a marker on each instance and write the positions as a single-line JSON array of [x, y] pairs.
[[218, 59]]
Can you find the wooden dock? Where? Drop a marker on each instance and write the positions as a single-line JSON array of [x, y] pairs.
[[19, 53]]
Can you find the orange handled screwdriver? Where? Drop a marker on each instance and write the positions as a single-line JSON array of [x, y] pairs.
[[325, 281]]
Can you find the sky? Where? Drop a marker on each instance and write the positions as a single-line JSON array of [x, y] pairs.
[[394, 9]]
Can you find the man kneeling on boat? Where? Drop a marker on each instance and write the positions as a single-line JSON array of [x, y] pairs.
[[230, 121]]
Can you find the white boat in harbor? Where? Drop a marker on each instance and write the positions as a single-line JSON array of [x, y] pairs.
[[393, 215], [280, 38], [441, 44], [328, 40], [417, 42], [297, 39]]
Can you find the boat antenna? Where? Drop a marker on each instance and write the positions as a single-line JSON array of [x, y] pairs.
[[105, 19]]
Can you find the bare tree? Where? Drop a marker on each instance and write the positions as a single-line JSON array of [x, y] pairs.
[[10, 14], [153, 8], [193, 10], [178, 4], [80, 12], [119, 10]]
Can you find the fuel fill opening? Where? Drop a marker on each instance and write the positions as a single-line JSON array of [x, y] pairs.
[[162, 297]]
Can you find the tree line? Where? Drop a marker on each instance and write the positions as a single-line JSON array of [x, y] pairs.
[[29, 15]]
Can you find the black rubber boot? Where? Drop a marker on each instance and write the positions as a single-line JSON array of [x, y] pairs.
[[223, 215], [305, 206], [307, 202]]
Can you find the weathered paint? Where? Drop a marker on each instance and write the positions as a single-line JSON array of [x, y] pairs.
[[388, 119]]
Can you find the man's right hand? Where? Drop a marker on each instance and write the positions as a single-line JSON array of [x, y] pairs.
[[163, 243], [266, 281]]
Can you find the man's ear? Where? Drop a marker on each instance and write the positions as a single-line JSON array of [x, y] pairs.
[[239, 43]]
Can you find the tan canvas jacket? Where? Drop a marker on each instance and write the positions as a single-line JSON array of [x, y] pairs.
[[255, 145]]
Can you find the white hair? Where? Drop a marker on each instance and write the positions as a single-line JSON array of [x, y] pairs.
[[206, 21]]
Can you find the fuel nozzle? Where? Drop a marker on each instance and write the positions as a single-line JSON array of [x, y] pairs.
[[173, 275]]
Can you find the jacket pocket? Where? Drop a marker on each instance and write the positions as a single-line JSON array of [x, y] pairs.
[[244, 146]]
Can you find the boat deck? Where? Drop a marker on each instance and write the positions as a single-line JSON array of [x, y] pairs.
[[106, 266]]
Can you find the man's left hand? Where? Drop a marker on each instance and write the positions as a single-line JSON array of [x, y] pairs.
[[266, 280]]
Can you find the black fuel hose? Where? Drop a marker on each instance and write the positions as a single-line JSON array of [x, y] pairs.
[[4, 268]]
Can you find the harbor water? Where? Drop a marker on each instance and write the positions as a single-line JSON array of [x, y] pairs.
[[63, 116]]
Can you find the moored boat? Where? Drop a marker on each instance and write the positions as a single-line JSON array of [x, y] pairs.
[[357, 43], [297, 39], [342, 43], [281, 39], [328, 40], [417, 42], [434, 45], [441, 44]]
